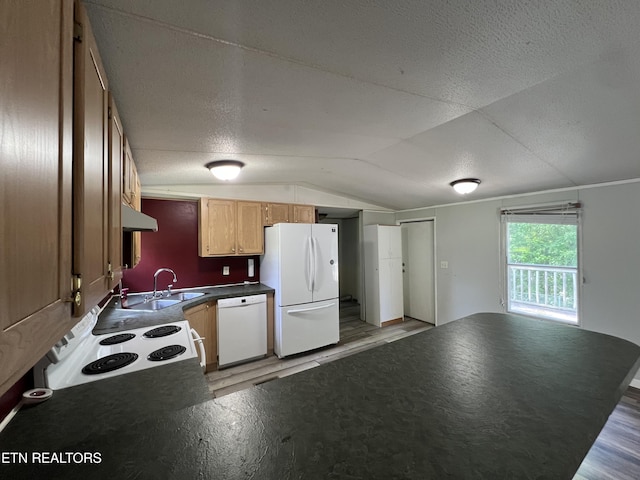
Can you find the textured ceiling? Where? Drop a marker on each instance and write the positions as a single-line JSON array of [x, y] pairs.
[[386, 102]]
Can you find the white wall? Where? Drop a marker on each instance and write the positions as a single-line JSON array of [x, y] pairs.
[[262, 193], [468, 237]]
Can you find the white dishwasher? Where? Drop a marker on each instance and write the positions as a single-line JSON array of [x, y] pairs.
[[242, 329]]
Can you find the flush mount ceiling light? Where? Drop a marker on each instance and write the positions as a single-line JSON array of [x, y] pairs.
[[465, 185], [225, 169]]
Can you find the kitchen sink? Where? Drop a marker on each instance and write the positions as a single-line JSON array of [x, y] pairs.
[[182, 296], [156, 304], [137, 302]]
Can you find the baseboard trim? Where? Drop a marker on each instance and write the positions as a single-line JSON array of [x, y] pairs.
[[391, 322]]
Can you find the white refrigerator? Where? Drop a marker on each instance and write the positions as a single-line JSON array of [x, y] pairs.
[[301, 263]]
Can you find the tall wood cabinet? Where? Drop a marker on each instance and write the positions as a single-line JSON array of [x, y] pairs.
[[229, 227], [91, 203], [36, 138]]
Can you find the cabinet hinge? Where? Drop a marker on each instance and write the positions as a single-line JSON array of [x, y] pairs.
[[109, 114], [78, 32], [76, 290]]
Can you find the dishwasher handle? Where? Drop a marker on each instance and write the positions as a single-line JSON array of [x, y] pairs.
[[203, 354]]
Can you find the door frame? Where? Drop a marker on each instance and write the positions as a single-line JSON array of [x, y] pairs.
[[435, 259]]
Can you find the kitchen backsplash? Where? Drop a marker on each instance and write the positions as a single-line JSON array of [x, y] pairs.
[[175, 246]]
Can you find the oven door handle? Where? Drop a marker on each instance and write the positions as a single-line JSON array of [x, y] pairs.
[[199, 340]]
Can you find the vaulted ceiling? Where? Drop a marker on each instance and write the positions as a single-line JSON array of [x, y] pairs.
[[385, 102]]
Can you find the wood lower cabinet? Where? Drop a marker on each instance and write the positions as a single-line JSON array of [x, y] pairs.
[[36, 139], [203, 319], [229, 228]]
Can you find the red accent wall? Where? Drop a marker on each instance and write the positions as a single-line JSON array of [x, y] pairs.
[[175, 246], [11, 398]]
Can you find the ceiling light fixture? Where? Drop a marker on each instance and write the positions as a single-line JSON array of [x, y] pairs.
[[465, 185], [225, 169]]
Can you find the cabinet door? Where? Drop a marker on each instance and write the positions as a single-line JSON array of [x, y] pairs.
[[302, 214], [116, 154], [250, 236], [36, 94], [130, 181], [276, 213], [90, 168], [203, 319], [136, 237], [217, 227]]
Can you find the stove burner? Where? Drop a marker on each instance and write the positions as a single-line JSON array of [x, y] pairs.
[[120, 338], [162, 331], [109, 363], [166, 353]]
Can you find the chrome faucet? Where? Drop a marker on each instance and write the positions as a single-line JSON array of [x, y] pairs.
[[155, 281]]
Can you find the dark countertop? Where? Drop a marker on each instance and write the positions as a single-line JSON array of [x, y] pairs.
[[78, 413], [485, 397], [115, 319]]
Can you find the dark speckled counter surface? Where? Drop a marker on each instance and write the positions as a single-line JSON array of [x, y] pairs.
[[115, 319], [490, 396]]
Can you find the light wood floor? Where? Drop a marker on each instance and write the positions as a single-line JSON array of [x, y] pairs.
[[355, 336], [615, 455]]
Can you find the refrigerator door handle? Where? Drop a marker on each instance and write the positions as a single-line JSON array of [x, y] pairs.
[[301, 310], [310, 271], [314, 242]]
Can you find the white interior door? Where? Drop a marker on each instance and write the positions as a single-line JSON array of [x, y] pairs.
[[418, 270]]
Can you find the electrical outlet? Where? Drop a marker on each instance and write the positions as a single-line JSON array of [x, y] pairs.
[[250, 268], [225, 270], [444, 264]]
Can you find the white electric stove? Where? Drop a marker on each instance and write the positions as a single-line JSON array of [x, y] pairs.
[[81, 357]]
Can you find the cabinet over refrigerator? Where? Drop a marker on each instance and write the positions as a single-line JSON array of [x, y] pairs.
[[301, 263]]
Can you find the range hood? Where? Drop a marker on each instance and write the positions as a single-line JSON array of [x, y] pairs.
[[134, 221]]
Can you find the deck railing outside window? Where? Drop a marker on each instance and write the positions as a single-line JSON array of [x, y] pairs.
[[543, 291]]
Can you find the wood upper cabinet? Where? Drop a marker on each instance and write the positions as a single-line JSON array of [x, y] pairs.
[[275, 213], [36, 135], [116, 154], [227, 228], [203, 319], [216, 227], [302, 214], [90, 169], [130, 179], [250, 234], [131, 195]]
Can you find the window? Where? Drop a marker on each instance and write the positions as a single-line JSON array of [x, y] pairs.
[[542, 268]]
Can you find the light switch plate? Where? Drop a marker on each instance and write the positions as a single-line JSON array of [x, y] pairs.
[[225, 270], [444, 264]]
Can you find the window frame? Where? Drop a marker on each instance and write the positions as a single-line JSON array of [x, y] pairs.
[[540, 213]]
